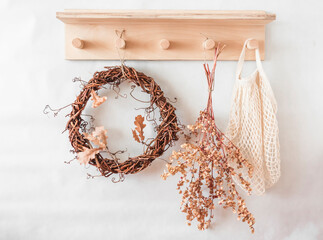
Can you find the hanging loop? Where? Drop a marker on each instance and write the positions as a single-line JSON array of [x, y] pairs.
[[120, 42]]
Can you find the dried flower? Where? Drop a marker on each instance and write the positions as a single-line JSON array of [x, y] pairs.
[[97, 137], [209, 164], [87, 155], [97, 100], [139, 122]]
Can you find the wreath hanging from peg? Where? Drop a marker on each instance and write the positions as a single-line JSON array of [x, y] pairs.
[[88, 145]]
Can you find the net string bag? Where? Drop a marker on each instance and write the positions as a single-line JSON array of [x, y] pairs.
[[253, 125]]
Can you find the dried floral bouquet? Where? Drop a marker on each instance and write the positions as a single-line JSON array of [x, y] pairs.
[[208, 167]]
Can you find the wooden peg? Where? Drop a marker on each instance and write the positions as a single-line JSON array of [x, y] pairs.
[[252, 44], [120, 43], [164, 44], [78, 43], [208, 44]]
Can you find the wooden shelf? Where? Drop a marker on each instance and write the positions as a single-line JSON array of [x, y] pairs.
[[80, 16], [91, 34]]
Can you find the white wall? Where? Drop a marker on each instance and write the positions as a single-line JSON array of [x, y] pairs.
[[43, 198]]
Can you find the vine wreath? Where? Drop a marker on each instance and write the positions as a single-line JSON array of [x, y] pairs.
[[166, 130]]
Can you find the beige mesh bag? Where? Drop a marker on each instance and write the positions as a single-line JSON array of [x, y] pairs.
[[253, 125]]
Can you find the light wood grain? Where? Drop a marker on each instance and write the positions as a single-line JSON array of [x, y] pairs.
[[252, 44], [164, 44], [120, 43], [78, 43], [186, 32], [209, 44], [77, 15]]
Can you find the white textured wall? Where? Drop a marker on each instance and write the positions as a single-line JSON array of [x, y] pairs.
[[43, 198]]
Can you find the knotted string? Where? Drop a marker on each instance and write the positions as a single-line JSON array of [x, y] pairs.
[[122, 59], [210, 76]]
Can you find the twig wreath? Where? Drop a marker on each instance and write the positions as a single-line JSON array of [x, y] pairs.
[[83, 142]]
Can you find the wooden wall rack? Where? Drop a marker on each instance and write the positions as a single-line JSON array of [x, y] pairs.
[[161, 34]]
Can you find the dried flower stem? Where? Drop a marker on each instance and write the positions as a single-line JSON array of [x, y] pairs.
[[209, 165]]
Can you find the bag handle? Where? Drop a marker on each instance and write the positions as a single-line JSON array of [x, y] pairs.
[[242, 57]]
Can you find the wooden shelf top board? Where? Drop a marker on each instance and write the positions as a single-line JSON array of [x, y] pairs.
[[95, 16]]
